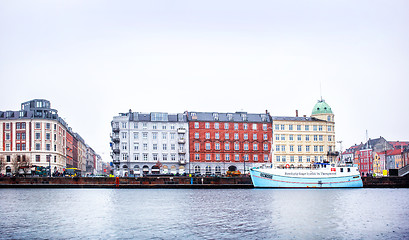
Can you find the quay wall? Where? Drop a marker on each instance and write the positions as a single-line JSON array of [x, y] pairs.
[[167, 182]]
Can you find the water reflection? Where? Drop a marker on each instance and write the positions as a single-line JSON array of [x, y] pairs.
[[204, 213]]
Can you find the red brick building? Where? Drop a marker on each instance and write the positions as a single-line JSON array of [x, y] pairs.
[[220, 142]]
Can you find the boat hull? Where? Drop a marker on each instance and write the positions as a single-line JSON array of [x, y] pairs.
[[267, 179]]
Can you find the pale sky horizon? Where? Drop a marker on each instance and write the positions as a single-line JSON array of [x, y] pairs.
[[95, 59]]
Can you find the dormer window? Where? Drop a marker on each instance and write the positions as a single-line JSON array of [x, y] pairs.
[[215, 116], [229, 116]]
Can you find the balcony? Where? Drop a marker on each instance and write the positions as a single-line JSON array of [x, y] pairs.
[[182, 161], [182, 141], [115, 128], [116, 150], [115, 139], [116, 161], [330, 153], [182, 130], [182, 151]]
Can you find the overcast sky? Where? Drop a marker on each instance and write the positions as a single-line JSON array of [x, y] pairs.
[[95, 59]]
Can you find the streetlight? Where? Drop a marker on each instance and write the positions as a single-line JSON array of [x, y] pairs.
[[49, 164]]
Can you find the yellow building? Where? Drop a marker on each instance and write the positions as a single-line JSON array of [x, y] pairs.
[[302, 141]]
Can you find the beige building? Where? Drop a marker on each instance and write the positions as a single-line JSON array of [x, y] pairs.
[[302, 141]]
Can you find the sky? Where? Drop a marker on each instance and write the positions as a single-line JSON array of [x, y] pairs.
[[95, 59]]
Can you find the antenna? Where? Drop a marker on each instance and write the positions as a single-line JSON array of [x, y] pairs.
[[321, 90]]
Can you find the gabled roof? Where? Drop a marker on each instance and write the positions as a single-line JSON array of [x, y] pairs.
[[229, 117]]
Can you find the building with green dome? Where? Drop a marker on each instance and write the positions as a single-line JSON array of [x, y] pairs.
[[303, 141]]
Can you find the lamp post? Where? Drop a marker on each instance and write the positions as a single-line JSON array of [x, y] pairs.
[[49, 164]]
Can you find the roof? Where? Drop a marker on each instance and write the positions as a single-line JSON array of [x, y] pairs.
[[279, 118], [394, 152], [399, 144], [229, 117], [321, 107]]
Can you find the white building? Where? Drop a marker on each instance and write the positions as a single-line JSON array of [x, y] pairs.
[[149, 143]]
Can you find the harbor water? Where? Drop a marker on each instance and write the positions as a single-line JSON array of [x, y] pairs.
[[204, 214]]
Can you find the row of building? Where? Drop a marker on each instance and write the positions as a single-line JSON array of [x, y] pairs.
[[36, 136], [213, 143], [377, 157]]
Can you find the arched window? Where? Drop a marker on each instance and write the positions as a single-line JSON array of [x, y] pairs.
[[124, 167], [197, 169], [218, 170], [181, 169], [208, 170]]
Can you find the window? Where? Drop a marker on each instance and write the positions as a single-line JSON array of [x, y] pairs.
[[265, 127], [291, 148], [7, 147], [217, 146], [277, 127], [315, 138], [164, 146], [123, 146], [254, 136], [145, 157], [227, 146], [155, 146], [236, 126], [255, 146], [38, 146], [283, 159], [135, 135], [236, 136], [299, 148], [277, 158], [207, 135], [172, 136], [154, 135], [18, 147], [245, 127], [208, 156], [282, 137], [298, 127], [307, 137], [226, 126], [307, 127], [277, 137], [172, 127], [307, 148], [299, 137], [38, 125], [124, 135], [265, 157], [163, 127], [291, 137], [38, 136], [277, 148], [314, 127], [227, 157], [8, 126], [320, 128], [246, 146], [254, 126], [17, 125], [196, 135], [217, 157], [207, 146], [197, 146], [246, 136], [172, 146], [145, 146], [155, 157], [207, 125], [290, 127], [283, 148], [329, 128], [282, 127], [320, 138], [216, 125], [226, 136], [196, 125], [48, 147], [236, 146], [164, 136], [18, 136], [329, 138], [315, 148], [292, 159], [216, 135], [135, 126], [47, 126], [38, 158], [23, 147], [154, 126], [173, 157], [321, 148], [308, 159], [123, 124], [145, 135], [136, 146], [197, 156], [136, 157], [164, 157], [23, 136], [246, 157], [236, 157], [265, 136], [265, 147]]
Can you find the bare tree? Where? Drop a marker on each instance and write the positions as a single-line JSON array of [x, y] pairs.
[[21, 162], [2, 163]]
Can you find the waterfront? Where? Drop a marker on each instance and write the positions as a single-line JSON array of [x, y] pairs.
[[204, 213]]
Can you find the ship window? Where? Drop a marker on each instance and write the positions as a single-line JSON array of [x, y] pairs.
[[349, 170], [342, 170]]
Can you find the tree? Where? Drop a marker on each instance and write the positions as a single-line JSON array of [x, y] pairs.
[[2, 163], [21, 162]]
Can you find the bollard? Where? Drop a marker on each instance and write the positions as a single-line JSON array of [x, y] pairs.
[[117, 182]]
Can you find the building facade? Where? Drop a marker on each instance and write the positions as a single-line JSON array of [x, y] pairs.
[[34, 136], [302, 141], [221, 142], [149, 143]]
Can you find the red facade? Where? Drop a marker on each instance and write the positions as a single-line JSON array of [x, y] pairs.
[[229, 141], [365, 161]]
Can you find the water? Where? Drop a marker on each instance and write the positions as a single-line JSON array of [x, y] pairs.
[[204, 214]]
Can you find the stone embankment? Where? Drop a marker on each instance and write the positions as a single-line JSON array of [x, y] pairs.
[[167, 182]]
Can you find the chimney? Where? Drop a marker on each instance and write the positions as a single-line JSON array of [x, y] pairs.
[[305, 116], [296, 113]]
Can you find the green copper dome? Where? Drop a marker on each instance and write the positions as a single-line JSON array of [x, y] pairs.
[[321, 107]]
